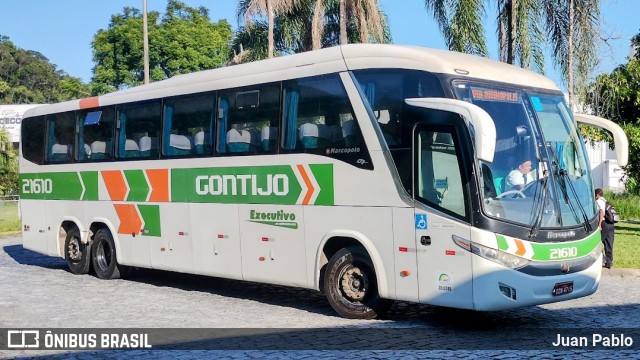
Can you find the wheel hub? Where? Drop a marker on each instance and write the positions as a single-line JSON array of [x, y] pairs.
[[74, 250], [354, 284]]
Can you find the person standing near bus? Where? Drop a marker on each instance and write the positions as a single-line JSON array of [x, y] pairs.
[[607, 230]]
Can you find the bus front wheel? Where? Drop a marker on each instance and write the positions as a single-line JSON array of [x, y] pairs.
[[76, 254], [103, 255], [351, 286]]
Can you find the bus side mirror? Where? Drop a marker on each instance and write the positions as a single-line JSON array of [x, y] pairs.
[[480, 122], [619, 137]]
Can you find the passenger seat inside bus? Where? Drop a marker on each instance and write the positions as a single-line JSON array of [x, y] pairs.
[[239, 141], [314, 136], [268, 138], [201, 145], [179, 145], [349, 132], [131, 149], [59, 153], [98, 150]]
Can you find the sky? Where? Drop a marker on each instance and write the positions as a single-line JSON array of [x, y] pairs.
[[62, 30]]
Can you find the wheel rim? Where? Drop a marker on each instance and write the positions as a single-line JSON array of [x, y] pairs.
[[353, 283], [103, 255], [74, 250]]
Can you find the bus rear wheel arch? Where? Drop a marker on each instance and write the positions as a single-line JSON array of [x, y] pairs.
[[76, 253], [103, 256], [351, 286]]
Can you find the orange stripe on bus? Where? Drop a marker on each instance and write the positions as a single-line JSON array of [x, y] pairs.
[[116, 186], [130, 222], [159, 180], [88, 103], [307, 181], [521, 249]]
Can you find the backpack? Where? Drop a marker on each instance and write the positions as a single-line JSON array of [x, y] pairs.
[[610, 214]]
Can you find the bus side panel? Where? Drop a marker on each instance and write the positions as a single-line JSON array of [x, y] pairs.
[[34, 226], [371, 226], [172, 250], [273, 243], [216, 240], [404, 251]]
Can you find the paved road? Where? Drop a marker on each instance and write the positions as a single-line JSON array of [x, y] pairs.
[[245, 319]]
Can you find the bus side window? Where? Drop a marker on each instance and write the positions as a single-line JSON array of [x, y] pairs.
[[318, 115], [95, 134], [188, 125], [248, 120], [139, 125], [61, 137]]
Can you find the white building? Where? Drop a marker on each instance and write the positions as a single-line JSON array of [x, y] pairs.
[[11, 118]]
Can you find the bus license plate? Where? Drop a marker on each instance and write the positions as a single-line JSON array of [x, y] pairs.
[[562, 288]]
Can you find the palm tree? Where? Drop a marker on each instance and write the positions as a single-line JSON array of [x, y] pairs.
[[270, 8], [364, 15], [460, 22], [520, 33]]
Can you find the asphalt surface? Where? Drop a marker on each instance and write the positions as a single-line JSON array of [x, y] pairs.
[[190, 316]]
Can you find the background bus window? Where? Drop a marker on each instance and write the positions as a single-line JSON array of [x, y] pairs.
[[95, 134], [139, 130], [318, 115], [248, 120], [32, 139], [61, 137], [188, 125]]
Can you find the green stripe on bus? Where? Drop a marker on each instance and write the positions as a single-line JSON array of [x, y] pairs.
[[90, 181], [565, 250], [151, 217], [138, 186], [324, 176], [502, 242]]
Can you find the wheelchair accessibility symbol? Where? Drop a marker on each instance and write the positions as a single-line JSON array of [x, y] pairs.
[[421, 221]]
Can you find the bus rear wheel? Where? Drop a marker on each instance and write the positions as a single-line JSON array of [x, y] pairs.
[[350, 285], [103, 256], [76, 254]]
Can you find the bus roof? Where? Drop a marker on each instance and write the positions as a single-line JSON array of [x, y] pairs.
[[328, 60]]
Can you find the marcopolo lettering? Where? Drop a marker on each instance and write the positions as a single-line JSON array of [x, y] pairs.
[[274, 184]]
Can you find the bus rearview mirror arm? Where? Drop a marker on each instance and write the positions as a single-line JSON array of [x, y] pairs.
[[484, 129], [619, 137]]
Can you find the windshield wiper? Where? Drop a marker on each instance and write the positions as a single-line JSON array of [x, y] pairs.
[[566, 180], [539, 205]]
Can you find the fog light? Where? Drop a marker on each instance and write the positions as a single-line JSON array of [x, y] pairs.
[[507, 291]]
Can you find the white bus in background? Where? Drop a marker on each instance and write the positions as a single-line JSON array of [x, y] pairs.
[[370, 172]]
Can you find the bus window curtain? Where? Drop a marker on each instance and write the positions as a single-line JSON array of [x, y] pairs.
[[52, 137], [212, 121], [166, 135], [223, 117], [370, 92], [291, 119], [122, 134], [82, 154]]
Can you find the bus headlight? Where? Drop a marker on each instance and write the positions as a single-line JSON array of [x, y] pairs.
[[497, 256]]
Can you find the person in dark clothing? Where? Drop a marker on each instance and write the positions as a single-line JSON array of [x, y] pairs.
[[607, 230]]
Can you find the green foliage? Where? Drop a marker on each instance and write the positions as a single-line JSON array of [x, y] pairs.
[[627, 204], [27, 77], [293, 32], [9, 221], [626, 252], [616, 96], [8, 166], [184, 40]]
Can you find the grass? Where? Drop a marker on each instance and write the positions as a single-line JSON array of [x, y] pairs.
[[626, 252], [627, 205], [9, 221]]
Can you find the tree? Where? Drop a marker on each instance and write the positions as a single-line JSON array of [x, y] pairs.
[[616, 96], [520, 34], [8, 166], [27, 77], [460, 22], [270, 8], [182, 41], [364, 15]]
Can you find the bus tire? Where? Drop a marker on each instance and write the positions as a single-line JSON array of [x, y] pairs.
[[350, 285], [103, 256], [76, 254]]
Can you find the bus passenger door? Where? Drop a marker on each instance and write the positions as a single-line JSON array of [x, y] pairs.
[[441, 215]]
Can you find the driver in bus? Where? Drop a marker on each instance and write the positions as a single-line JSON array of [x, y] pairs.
[[519, 177]]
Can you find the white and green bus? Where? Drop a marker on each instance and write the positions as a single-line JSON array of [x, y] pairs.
[[369, 172]]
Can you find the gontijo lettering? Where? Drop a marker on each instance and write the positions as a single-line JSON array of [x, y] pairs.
[[277, 184]]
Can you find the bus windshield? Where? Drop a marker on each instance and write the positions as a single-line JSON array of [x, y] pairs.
[[539, 176]]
